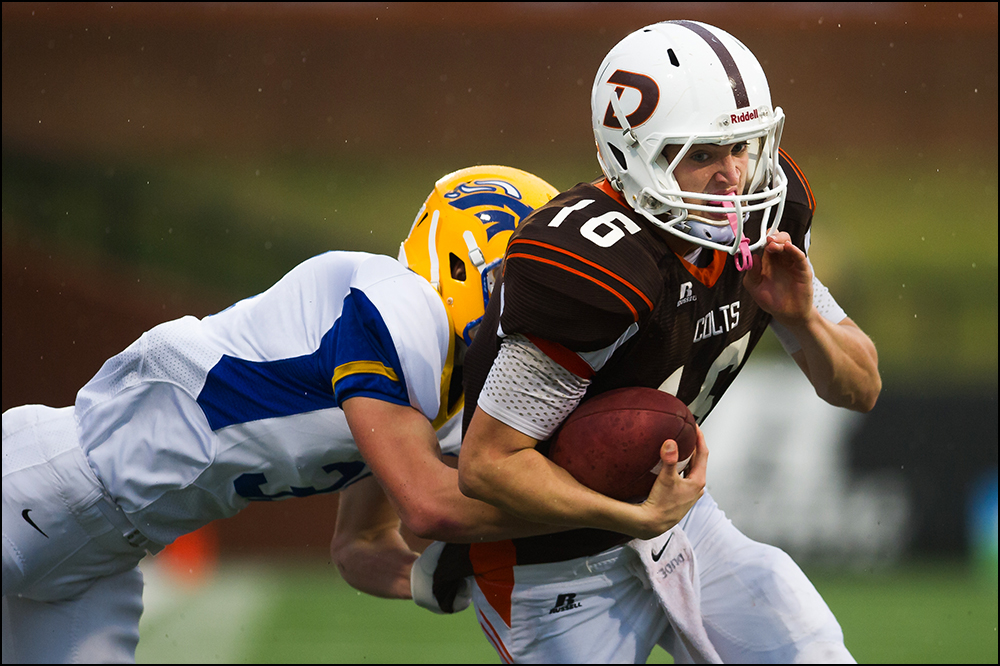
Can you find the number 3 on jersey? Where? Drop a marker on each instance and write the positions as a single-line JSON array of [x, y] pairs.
[[598, 230], [248, 486], [711, 389]]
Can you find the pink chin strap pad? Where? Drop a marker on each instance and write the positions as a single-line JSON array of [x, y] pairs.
[[743, 258]]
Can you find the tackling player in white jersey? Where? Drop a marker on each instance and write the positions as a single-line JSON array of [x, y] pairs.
[[345, 376]]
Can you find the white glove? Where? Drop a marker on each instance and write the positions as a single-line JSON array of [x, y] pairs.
[[422, 583]]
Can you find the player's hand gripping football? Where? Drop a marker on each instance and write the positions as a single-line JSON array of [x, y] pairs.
[[781, 281], [673, 494]]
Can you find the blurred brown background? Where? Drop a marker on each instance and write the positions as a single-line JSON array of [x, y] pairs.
[[383, 79], [424, 87]]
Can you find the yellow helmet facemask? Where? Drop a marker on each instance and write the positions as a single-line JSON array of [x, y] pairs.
[[459, 236]]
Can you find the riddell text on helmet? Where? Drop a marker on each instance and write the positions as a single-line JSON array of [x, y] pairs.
[[745, 116]]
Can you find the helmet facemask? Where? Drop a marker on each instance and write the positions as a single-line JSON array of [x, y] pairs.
[[682, 212], [488, 273]]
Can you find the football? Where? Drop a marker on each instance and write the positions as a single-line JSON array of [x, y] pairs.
[[611, 442]]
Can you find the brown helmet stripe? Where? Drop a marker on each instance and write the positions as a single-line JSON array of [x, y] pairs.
[[728, 64]]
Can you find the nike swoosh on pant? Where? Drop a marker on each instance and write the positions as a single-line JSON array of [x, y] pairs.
[[24, 514]]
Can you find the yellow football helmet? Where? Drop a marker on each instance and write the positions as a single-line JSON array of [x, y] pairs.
[[459, 236]]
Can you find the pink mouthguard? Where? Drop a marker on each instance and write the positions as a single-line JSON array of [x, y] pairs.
[[743, 258]]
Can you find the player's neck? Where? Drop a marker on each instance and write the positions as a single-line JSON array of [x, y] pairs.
[[605, 186]]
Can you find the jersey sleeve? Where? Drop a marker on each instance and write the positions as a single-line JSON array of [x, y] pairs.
[[394, 341], [367, 363], [530, 391], [576, 275]]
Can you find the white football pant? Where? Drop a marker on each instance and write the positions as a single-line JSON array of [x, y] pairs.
[[72, 589], [756, 605]]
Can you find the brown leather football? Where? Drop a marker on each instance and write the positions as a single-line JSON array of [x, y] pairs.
[[611, 442]]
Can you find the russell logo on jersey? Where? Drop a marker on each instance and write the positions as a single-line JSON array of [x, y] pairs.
[[687, 294]]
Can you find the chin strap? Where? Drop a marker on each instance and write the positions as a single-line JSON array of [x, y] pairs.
[[743, 258]]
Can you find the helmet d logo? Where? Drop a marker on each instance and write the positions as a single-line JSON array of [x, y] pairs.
[[649, 97]]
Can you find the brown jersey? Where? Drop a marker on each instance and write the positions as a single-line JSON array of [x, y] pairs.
[[586, 271]]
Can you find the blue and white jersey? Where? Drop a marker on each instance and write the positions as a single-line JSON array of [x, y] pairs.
[[198, 417]]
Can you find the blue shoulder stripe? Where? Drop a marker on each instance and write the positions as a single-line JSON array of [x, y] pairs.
[[366, 362], [355, 357], [237, 390]]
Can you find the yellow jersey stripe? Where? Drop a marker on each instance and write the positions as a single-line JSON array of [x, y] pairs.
[[369, 367]]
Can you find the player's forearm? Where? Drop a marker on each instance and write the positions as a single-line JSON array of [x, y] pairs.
[[402, 450], [532, 488], [442, 513], [367, 546], [378, 567], [840, 361]]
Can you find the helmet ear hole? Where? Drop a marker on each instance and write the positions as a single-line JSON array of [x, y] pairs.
[[457, 267], [619, 155]]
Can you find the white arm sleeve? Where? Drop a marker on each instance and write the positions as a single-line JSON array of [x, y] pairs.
[[529, 391], [827, 306]]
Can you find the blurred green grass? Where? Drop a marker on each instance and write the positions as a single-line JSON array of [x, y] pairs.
[[907, 245], [930, 612], [934, 612]]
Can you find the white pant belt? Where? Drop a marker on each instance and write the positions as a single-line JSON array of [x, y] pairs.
[[116, 516]]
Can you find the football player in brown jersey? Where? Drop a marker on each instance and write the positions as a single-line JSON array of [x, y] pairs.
[[664, 274]]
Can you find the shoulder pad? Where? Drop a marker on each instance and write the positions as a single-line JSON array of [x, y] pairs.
[[577, 272]]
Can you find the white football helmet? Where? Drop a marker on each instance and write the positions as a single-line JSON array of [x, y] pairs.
[[684, 83]]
